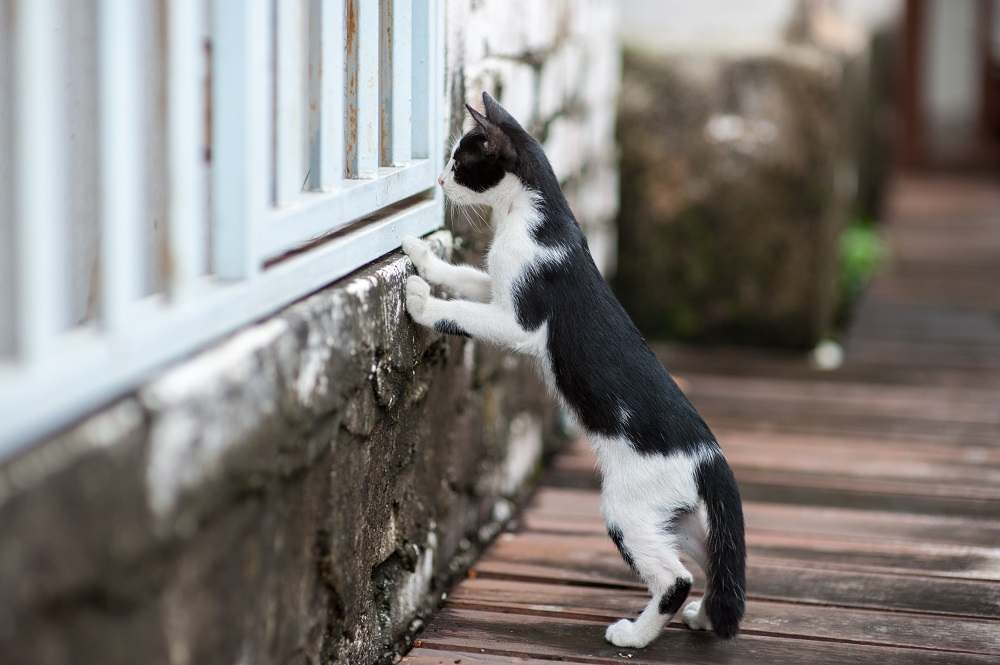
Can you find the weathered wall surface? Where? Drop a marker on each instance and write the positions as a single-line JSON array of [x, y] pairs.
[[555, 65], [302, 492]]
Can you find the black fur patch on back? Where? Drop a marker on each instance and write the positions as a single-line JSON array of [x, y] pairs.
[[449, 327], [672, 600], [602, 365], [619, 540]]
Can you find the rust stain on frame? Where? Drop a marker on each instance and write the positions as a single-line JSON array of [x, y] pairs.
[[351, 87], [385, 84]]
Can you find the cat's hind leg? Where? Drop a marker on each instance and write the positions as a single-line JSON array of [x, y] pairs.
[[692, 533], [653, 555]]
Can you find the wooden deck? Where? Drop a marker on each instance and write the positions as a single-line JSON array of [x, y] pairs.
[[872, 494]]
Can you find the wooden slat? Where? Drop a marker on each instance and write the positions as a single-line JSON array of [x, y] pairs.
[[763, 617], [820, 489], [422, 656], [577, 511], [793, 583], [583, 639], [765, 546]]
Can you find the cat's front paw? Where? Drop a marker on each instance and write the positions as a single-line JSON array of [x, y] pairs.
[[695, 618], [624, 633], [418, 251], [418, 293]]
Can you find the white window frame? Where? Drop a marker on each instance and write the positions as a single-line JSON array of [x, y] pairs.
[[259, 213]]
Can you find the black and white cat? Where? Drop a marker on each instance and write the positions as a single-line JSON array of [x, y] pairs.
[[667, 488]]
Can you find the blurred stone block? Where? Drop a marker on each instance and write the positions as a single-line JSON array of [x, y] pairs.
[[735, 182]]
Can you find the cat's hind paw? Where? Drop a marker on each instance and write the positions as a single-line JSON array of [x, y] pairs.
[[695, 618], [418, 293], [624, 633]]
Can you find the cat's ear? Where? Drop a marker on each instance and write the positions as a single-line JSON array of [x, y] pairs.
[[497, 141], [496, 113], [480, 119]]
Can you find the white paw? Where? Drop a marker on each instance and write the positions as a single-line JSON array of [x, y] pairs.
[[418, 251], [418, 293], [623, 633], [695, 618]]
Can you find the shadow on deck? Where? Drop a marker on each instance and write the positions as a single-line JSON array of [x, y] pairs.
[[872, 493]]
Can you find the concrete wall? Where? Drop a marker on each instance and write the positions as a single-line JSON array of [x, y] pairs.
[[303, 491]]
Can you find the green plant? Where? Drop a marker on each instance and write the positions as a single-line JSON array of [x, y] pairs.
[[862, 252]]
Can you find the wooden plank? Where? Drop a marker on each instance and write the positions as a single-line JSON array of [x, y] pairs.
[[423, 656], [862, 457], [579, 511], [566, 562], [949, 561], [763, 617], [816, 489], [583, 639]]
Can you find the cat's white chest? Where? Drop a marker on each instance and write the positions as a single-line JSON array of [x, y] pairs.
[[512, 252]]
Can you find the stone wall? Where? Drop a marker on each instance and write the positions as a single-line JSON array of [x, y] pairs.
[[304, 491]]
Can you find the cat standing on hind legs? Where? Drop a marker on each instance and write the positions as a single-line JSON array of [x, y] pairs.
[[666, 488]]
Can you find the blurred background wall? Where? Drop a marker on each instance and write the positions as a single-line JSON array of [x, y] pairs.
[[758, 143]]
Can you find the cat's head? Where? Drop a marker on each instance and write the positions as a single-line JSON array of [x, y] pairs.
[[493, 161]]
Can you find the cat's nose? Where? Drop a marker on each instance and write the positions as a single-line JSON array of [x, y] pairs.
[[441, 180]]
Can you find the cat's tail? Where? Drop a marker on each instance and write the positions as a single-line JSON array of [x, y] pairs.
[[725, 598]]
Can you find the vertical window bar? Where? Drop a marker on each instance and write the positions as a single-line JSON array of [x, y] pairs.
[[7, 232], [362, 48], [186, 167], [122, 163], [290, 99], [241, 152], [421, 76], [326, 94], [396, 82], [39, 210]]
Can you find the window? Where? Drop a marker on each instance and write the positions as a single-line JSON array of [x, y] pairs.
[[172, 171]]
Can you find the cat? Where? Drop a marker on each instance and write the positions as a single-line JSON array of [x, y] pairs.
[[666, 487]]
